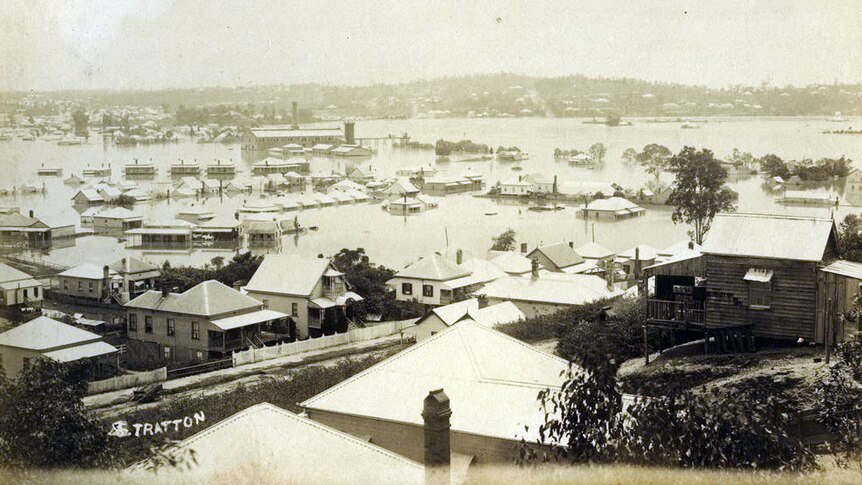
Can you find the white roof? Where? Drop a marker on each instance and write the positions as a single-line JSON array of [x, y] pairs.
[[645, 253], [499, 314], [265, 440], [288, 274], [769, 236], [613, 204], [850, 269], [478, 368], [118, 213], [511, 262], [433, 267], [8, 273], [88, 271], [552, 288], [246, 319], [453, 312], [481, 271], [759, 275], [78, 352], [43, 333], [592, 250]]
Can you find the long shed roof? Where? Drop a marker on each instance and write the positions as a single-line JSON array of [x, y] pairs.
[[769, 236]]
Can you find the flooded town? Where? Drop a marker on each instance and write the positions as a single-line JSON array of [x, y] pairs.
[[560, 265]]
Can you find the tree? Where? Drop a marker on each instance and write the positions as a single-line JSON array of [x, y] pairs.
[[698, 192], [217, 262], [366, 278], [598, 151], [505, 241], [43, 421], [840, 403], [774, 166], [630, 156], [850, 238], [654, 159]]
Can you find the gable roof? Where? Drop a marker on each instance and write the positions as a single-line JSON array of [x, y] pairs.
[[205, 299], [89, 194], [560, 254], [613, 204], [288, 274], [645, 252], [118, 213], [769, 236], [129, 265], [433, 267], [499, 314], [453, 312], [43, 333], [266, 437], [478, 368], [8, 273], [20, 220]]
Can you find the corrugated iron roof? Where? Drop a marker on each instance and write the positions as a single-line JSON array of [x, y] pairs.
[[769, 236]]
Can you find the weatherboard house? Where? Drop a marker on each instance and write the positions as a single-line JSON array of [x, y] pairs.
[[758, 275]]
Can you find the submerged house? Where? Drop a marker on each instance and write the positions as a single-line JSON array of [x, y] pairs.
[[757, 275], [206, 322], [612, 209], [170, 236], [115, 220], [311, 291]]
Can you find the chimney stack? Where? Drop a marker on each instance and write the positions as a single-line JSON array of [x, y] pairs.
[[106, 276], [438, 454], [459, 256], [534, 269], [637, 268], [295, 118], [572, 244], [524, 248], [349, 132]]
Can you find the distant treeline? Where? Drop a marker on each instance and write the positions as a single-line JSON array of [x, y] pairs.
[[444, 148], [806, 169], [415, 145]]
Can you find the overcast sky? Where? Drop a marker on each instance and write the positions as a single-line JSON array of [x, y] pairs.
[[47, 44]]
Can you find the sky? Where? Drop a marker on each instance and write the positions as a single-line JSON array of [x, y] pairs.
[[153, 44]]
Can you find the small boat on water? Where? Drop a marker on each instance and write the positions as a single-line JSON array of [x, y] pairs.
[[490, 213], [517, 168]]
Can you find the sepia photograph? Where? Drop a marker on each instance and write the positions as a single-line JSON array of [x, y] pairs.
[[430, 242]]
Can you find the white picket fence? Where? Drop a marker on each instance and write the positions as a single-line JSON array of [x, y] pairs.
[[280, 350], [126, 381]]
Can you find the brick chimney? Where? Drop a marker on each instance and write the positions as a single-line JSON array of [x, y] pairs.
[[572, 244], [438, 454], [349, 132], [534, 269], [459, 256], [106, 277], [637, 266]]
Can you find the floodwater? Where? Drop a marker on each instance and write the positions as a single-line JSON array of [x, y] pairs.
[[460, 220]]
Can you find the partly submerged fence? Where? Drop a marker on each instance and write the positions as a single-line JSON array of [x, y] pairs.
[[284, 349], [126, 381]]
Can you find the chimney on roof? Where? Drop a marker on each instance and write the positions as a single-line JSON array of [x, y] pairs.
[[31, 214], [637, 267], [691, 244], [459, 256], [572, 244], [534, 269], [524, 248], [295, 118], [106, 278], [438, 454]]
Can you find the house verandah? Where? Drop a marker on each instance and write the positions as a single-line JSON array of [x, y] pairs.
[[679, 298], [233, 333]]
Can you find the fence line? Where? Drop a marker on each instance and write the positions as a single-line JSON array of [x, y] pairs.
[[283, 349], [127, 381]]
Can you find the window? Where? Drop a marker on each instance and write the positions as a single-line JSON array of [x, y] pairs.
[[65, 284], [196, 331], [406, 288], [171, 327], [25, 292], [80, 286], [35, 292], [294, 309], [133, 322], [90, 287], [148, 324], [200, 355], [427, 290], [265, 303], [759, 294], [167, 353]]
